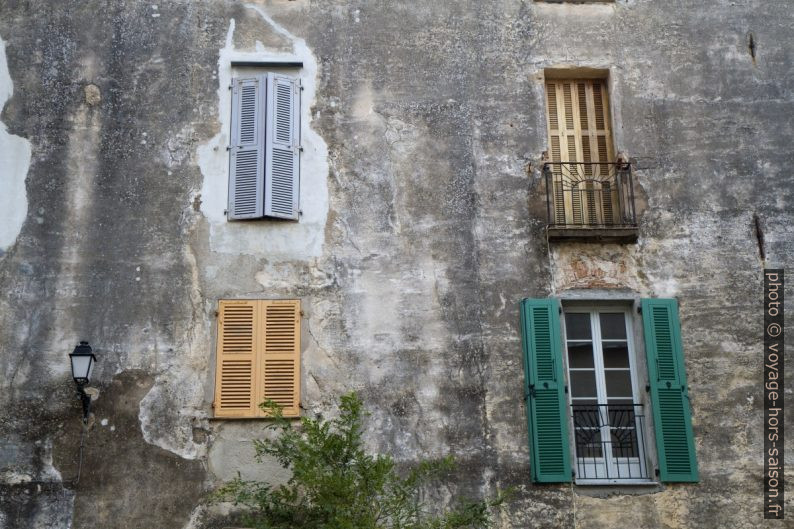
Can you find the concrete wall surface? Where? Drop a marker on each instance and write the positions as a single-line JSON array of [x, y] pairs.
[[424, 215]]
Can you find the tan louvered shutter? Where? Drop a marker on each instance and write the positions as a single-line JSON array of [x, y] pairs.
[[236, 372], [578, 124], [280, 361]]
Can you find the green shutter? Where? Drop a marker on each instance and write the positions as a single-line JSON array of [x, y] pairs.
[[544, 390], [669, 394]]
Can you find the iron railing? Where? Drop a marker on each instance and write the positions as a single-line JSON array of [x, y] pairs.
[[592, 195], [610, 442]]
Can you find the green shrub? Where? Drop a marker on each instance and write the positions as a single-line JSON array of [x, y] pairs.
[[336, 484]]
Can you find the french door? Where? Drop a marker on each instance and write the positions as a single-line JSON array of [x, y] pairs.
[[608, 420]]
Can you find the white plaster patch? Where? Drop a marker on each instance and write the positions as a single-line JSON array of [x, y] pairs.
[[177, 436], [274, 239], [174, 405], [15, 155]]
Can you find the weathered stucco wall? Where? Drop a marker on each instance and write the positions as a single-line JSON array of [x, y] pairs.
[[423, 227]]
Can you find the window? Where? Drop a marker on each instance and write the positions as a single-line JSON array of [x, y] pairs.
[[603, 405], [586, 187], [264, 148], [258, 357], [607, 415]]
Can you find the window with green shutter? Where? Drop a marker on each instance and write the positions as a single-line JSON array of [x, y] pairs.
[[603, 398]]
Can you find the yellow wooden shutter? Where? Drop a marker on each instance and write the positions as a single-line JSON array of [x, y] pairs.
[[236, 371], [258, 357], [578, 123], [280, 359]]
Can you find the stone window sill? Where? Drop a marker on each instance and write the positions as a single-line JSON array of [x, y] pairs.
[[622, 234]]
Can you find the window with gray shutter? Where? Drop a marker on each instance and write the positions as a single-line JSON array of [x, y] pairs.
[[264, 148], [282, 148]]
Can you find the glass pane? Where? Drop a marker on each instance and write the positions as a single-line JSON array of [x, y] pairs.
[[613, 325], [624, 442], [583, 384], [577, 326], [616, 354], [580, 355], [588, 442], [618, 383]]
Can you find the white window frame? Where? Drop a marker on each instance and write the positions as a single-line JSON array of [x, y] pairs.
[[599, 465]]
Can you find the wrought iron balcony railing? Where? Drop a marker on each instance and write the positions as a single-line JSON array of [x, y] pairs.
[[610, 442], [589, 195]]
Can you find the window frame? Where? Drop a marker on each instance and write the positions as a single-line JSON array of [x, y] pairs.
[[639, 378]]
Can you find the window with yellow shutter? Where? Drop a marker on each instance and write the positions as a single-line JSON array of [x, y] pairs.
[[587, 188], [258, 357]]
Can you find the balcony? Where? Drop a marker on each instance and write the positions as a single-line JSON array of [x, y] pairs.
[[590, 202], [610, 443]]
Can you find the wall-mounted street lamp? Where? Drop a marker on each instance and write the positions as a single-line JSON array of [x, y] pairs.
[[82, 365]]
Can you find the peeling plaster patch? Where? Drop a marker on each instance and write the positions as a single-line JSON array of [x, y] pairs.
[[15, 155], [174, 434], [174, 405], [582, 265], [275, 239], [32, 462], [177, 148]]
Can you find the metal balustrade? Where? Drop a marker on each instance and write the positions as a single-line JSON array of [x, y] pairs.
[[589, 195], [610, 442]]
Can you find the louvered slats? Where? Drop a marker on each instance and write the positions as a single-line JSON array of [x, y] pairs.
[[247, 149], [248, 109], [669, 393], [547, 417], [281, 183], [258, 357], [281, 353], [280, 381], [284, 113], [238, 329], [546, 413], [674, 432], [281, 163], [665, 359], [544, 355], [578, 123], [235, 392]]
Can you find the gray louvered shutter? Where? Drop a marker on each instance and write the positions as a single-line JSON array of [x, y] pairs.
[[283, 146], [247, 149]]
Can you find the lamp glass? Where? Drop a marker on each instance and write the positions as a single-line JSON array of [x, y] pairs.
[[82, 363]]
